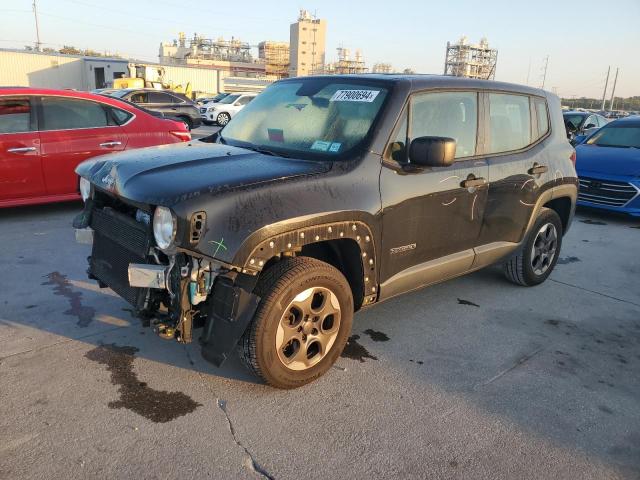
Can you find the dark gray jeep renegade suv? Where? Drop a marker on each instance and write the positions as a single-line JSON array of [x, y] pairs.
[[323, 196]]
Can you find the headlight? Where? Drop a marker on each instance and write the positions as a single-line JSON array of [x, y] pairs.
[[85, 189], [164, 227]]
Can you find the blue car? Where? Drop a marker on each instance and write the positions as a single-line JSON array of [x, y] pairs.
[[608, 166]]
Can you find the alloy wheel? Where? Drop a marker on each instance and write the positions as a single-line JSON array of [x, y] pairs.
[[544, 248], [308, 328]]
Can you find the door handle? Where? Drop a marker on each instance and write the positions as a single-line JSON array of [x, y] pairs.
[[110, 144], [473, 182], [538, 170], [21, 150]]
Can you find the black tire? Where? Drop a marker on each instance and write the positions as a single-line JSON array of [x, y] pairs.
[[519, 269], [223, 118], [277, 287]]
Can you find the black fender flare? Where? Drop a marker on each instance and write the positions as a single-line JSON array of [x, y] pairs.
[[254, 255]]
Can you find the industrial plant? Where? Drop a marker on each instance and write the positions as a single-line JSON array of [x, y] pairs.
[[201, 64], [471, 60]]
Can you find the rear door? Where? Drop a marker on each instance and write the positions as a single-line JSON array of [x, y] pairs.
[[519, 163], [71, 131], [20, 162], [163, 102]]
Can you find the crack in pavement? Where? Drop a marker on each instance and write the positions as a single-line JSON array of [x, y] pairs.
[[597, 293], [251, 462], [521, 361]]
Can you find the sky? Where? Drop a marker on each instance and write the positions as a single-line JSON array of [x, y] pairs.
[[581, 38]]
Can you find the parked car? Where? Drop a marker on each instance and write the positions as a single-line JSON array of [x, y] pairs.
[[45, 134], [206, 100], [221, 112], [608, 164], [582, 123], [173, 105], [326, 195]]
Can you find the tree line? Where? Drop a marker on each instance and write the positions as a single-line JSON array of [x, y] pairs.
[[619, 103]]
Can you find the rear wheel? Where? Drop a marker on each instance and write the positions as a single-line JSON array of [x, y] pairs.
[[223, 118], [537, 257], [302, 323]]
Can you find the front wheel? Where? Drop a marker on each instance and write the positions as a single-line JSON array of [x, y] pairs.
[[302, 323], [535, 260], [223, 119]]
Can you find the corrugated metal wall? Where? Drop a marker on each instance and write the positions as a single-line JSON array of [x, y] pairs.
[[39, 70], [203, 80]]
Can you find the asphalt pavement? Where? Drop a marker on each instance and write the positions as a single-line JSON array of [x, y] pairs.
[[473, 378], [204, 131]]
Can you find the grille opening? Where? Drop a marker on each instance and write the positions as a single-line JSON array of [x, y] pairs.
[[606, 192]]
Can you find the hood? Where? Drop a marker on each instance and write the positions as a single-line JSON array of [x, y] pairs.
[[170, 174], [608, 160]]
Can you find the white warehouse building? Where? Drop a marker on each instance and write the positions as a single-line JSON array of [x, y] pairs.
[[53, 70]]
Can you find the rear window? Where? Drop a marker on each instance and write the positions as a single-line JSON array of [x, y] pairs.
[[542, 116], [15, 115], [66, 113], [509, 122], [120, 117]]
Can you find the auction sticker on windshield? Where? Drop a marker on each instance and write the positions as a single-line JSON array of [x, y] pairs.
[[355, 96]]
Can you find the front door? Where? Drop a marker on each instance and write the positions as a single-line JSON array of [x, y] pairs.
[[432, 216], [73, 130], [20, 162]]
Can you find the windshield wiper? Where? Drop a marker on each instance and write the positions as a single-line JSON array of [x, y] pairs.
[[265, 151]]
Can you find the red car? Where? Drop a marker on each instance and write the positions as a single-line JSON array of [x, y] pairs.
[[45, 134]]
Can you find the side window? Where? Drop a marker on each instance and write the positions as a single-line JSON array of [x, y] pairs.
[[509, 122], [542, 117], [159, 97], [397, 147], [120, 117], [244, 100], [140, 97], [590, 122], [447, 114], [66, 113], [602, 121], [15, 115]]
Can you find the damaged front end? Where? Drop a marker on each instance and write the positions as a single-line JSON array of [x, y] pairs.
[[180, 290]]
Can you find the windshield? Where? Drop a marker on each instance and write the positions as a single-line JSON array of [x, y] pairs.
[[229, 99], [617, 136], [310, 117], [574, 120]]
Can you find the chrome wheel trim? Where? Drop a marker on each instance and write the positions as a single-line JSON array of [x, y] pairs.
[[544, 248], [308, 328], [225, 119]]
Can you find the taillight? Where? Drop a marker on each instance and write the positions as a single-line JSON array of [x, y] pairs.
[[573, 158], [182, 135]]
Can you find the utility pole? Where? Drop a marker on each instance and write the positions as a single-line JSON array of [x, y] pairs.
[[35, 14], [528, 71], [613, 92], [606, 84], [544, 73]]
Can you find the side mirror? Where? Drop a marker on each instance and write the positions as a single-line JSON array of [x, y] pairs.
[[432, 151], [591, 125]]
